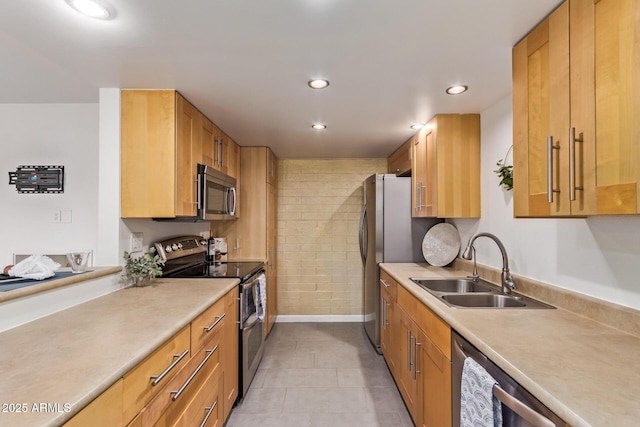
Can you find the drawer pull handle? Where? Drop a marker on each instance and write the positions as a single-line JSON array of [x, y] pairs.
[[385, 284], [157, 378], [176, 394], [213, 325], [209, 412]]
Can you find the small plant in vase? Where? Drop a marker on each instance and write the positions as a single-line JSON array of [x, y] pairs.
[[505, 172], [143, 269]]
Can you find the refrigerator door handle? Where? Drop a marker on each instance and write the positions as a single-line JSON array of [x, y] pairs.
[[362, 235]]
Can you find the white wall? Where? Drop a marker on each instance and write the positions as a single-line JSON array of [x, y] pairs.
[[49, 134], [597, 256]]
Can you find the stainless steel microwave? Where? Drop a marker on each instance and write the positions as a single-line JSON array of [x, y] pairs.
[[217, 197]]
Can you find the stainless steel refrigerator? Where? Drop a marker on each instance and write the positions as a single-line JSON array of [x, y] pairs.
[[387, 234]]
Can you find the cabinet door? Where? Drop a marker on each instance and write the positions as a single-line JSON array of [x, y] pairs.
[[434, 383], [453, 166], [230, 355], [208, 142], [188, 143], [418, 176], [233, 158], [617, 79], [540, 112], [407, 385], [272, 285], [104, 411], [399, 161], [389, 328], [272, 168]]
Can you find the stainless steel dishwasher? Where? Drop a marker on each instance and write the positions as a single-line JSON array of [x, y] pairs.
[[519, 407]]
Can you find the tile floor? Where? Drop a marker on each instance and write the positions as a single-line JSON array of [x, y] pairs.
[[321, 374]]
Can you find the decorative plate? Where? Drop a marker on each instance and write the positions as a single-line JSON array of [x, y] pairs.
[[441, 244]]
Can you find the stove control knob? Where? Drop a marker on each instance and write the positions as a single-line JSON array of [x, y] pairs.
[[203, 243], [180, 245], [168, 249], [174, 247]]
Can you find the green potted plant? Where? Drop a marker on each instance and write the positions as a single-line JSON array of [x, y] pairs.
[[505, 172], [143, 269]]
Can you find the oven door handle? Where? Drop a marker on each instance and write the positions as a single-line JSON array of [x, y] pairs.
[[252, 283]]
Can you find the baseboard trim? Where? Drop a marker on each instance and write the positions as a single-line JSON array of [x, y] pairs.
[[319, 318]]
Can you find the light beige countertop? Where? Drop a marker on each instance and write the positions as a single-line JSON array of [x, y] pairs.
[[586, 372], [72, 356]]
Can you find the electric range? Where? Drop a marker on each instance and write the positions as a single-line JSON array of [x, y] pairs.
[[187, 257]]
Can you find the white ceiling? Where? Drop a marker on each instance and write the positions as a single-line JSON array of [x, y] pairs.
[[245, 63]]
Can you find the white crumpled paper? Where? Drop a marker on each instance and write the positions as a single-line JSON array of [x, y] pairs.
[[37, 267]]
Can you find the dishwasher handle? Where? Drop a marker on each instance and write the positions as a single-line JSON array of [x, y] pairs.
[[534, 418], [531, 416]]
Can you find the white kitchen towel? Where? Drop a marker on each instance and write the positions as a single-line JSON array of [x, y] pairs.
[[37, 267], [478, 406], [261, 290]]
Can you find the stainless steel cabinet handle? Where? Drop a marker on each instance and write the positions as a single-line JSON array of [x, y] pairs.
[[572, 163], [531, 416], [417, 196], [209, 412], [550, 148], [384, 313], [385, 284], [422, 187], [222, 153], [176, 394], [213, 325], [409, 351], [157, 378], [415, 357], [270, 257], [218, 149]]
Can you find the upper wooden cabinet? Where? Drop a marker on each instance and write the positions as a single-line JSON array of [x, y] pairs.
[[445, 173], [399, 162], [575, 140], [160, 147], [163, 139]]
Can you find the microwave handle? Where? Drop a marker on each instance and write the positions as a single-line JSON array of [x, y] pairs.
[[198, 201], [234, 196]]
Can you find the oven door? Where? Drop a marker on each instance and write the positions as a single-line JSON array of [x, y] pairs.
[[251, 332], [217, 198]]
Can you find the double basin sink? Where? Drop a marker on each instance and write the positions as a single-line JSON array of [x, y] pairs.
[[464, 292]]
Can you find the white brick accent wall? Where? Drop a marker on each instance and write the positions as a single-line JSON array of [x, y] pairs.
[[319, 205]]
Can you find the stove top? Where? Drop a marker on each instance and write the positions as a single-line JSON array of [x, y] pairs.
[[240, 270]]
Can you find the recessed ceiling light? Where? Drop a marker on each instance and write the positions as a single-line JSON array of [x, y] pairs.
[[318, 126], [90, 8], [456, 90], [417, 126], [318, 84]]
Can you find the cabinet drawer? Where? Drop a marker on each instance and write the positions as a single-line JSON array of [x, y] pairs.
[[177, 394], [205, 409], [207, 325], [139, 383], [389, 284], [435, 328]]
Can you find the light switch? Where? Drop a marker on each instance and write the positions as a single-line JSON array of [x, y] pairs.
[[55, 216]]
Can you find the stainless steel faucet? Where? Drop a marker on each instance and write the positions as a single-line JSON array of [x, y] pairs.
[[507, 281]]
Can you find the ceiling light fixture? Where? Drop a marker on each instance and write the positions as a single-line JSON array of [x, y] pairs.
[[456, 90], [318, 83], [417, 126], [318, 126], [90, 8]]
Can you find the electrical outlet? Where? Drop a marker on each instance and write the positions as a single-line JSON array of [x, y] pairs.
[[65, 217], [137, 242], [55, 216]]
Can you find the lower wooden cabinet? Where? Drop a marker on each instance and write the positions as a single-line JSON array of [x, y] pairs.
[[190, 380], [104, 411], [416, 346]]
